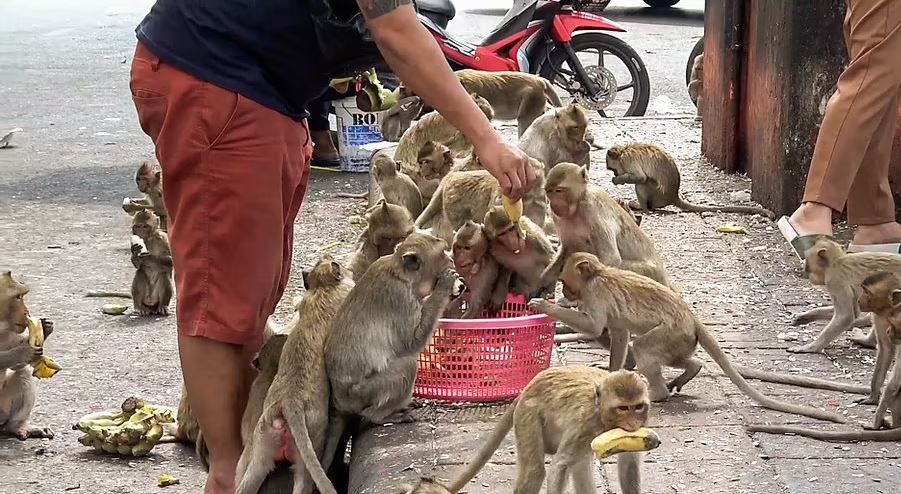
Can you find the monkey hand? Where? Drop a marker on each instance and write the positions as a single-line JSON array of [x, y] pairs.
[[449, 281], [539, 304], [24, 354], [619, 180]]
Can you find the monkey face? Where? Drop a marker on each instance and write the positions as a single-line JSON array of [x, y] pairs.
[[627, 416], [469, 247], [12, 304], [422, 257]]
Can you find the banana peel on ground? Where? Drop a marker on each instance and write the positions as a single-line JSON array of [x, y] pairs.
[[617, 441], [44, 366]]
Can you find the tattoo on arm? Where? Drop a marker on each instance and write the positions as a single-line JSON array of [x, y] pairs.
[[377, 8]]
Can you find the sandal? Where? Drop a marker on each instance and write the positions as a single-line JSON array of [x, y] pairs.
[[891, 248], [799, 243]]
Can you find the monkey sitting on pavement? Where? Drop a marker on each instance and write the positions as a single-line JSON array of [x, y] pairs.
[[152, 287], [589, 220], [387, 225], [17, 386], [696, 84], [665, 329], [559, 412], [558, 136], [383, 324], [434, 127], [657, 180], [397, 187], [826, 264], [295, 424]]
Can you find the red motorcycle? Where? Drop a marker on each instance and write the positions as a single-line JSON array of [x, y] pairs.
[[554, 39]]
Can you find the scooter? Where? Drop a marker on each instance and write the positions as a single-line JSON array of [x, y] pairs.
[[547, 37]]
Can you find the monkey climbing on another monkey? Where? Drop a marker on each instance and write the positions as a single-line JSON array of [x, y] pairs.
[[397, 187], [665, 330], [294, 423], [149, 180], [17, 385], [385, 321], [657, 180], [152, 287]]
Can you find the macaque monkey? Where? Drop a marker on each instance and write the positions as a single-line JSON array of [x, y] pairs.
[[657, 180], [433, 162], [696, 84], [149, 179], [17, 386], [398, 118], [468, 195], [513, 95], [266, 364], [558, 136], [523, 258], [434, 127], [397, 187], [665, 330], [383, 324], [387, 225], [558, 413], [589, 220], [826, 264], [474, 263], [294, 424], [152, 286], [625, 205]]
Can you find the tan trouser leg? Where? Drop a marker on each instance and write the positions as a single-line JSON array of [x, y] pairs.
[[851, 158]]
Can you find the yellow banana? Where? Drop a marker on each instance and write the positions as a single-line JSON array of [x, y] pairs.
[[44, 367], [620, 441], [514, 212]]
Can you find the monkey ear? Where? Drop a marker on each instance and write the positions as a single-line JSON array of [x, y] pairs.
[[336, 271], [584, 268], [305, 275], [583, 170], [397, 165], [158, 174], [896, 297], [411, 261], [822, 257]]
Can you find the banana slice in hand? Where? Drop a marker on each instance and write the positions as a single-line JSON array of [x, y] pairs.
[[621, 441], [44, 367]]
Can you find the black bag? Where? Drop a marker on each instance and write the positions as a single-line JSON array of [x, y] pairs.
[[345, 43]]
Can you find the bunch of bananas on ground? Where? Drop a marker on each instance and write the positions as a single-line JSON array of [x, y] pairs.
[[621, 441], [44, 367], [132, 431]]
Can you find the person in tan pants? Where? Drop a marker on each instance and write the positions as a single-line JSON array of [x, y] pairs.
[[850, 162]]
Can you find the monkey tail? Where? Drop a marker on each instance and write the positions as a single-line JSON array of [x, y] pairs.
[[487, 450], [297, 422], [836, 436], [802, 381], [697, 208], [550, 94], [710, 345], [434, 207], [101, 293]]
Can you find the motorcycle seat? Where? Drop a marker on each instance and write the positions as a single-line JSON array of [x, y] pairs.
[[441, 7]]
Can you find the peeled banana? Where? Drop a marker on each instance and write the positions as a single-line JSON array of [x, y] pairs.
[[514, 212], [621, 441], [44, 367], [133, 430]]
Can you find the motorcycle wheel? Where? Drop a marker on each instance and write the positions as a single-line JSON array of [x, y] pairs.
[[697, 50], [661, 3], [552, 67]]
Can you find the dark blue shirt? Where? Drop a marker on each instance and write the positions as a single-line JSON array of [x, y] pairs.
[[264, 50]]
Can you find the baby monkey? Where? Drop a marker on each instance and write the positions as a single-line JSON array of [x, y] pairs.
[[397, 187], [558, 413], [657, 180], [475, 264], [149, 180]]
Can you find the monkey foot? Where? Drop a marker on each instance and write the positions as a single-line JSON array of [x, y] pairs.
[[31, 432], [867, 401], [803, 349], [863, 340]]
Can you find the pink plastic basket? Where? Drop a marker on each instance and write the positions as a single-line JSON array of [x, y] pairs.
[[486, 359]]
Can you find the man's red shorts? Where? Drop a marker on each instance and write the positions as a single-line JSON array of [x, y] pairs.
[[234, 176]]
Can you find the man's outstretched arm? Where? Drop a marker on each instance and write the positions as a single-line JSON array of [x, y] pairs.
[[418, 61]]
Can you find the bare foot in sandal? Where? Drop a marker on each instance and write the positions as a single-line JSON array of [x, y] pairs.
[[812, 218]]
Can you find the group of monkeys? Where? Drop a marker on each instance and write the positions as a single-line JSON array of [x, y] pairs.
[[348, 356]]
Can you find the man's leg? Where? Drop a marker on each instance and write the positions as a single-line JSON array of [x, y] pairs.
[[865, 92], [232, 168]]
